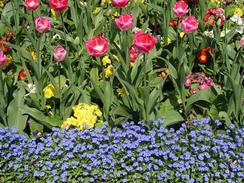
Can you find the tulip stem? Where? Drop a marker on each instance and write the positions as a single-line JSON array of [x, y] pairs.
[[64, 29], [59, 87], [38, 57]]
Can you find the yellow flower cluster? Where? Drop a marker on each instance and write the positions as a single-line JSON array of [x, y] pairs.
[[49, 91], [85, 117], [109, 70]]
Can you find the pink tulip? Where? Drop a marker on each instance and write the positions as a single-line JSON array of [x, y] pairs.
[[42, 24], [97, 46], [2, 58], [124, 22], [120, 3], [144, 42], [189, 24], [180, 9], [59, 53], [59, 5], [31, 4]]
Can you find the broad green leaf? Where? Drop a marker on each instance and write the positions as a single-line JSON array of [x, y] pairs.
[[15, 116]]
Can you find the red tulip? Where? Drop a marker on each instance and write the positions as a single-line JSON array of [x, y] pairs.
[[97, 46], [124, 22], [144, 42], [31, 4], [59, 5], [214, 13], [59, 53], [120, 3], [189, 24], [180, 9], [42, 24]]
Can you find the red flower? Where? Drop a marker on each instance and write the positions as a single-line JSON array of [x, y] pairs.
[[144, 42], [120, 3], [59, 5], [97, 46], [205, 55], [22, 75], [124, 22], [213, 14], [3, 45], [31, 4], [173, 23]]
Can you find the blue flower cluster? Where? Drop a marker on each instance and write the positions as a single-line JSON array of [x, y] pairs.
[[194, 153]]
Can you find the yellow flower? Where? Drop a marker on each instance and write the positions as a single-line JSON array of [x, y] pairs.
[[49, 91], [169, 41], [106, 60], [85, 116], [53, 14], [33, 54], [182, 34], [109, 71], [70, 121], [116, 14], [238, 11]]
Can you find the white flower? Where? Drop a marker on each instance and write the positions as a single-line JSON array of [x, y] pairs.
[[237, 19], [31, 88], [209, 33]]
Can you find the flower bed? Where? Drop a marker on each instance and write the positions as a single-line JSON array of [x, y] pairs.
[[194, 153]]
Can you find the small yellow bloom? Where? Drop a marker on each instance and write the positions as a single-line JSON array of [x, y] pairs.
[[238, 11], [106, 61], [182, 34], [116, 14], [109, 71], [49, 91], [33, 54], [53, 14]]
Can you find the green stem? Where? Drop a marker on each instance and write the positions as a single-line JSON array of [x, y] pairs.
[[59, 87], [65, 30], [38, 57]]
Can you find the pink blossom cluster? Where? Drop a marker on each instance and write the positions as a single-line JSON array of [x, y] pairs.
[[198, 81]]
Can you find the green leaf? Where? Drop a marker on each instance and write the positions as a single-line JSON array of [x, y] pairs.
[[171, 117], [202, 95], [14, 114]]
